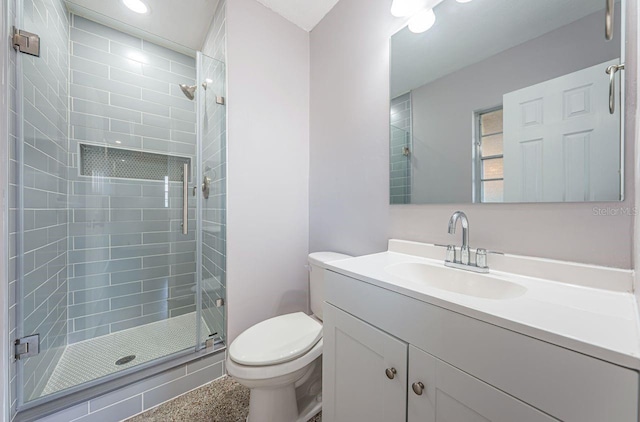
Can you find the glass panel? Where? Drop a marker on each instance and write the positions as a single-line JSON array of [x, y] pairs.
[[492, 145], [491, 122], [493, 168], [108, 278], [493, 191], [212, 117], [43, 194]]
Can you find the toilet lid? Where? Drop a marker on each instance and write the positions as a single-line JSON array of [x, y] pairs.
[[276, 340]]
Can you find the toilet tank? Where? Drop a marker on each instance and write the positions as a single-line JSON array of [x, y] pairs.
[[317, 264]]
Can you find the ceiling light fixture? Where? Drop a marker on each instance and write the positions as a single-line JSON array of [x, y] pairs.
[[422, 21], [420, 13], [137, 6], [463, 1], [404, 8]]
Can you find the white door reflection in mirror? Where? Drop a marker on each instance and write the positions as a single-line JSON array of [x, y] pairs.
[[561, 144]]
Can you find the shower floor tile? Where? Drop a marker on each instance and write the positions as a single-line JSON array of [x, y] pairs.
[[95, 358]]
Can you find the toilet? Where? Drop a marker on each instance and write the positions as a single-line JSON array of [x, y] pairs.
[[280, 359]]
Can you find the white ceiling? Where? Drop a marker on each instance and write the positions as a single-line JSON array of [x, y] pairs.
[[467, 33], [304, 13], [183, 23]]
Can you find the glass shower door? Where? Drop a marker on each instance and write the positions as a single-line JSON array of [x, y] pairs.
[[212, 121], [110, 247]]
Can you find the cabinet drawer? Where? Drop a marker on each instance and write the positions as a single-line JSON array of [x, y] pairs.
[[567, 385]]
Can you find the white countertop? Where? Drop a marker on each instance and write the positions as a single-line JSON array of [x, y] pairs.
[[595, 322]]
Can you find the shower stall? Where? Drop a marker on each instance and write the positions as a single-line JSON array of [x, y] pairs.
[[118, 203]]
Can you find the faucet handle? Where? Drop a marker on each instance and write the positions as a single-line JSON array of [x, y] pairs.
[[481, 257], [451, 254]]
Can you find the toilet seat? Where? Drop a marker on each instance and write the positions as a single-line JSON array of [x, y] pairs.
[[271, 372], [277, 340]]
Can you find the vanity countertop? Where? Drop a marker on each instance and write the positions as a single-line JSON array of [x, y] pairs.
[[592, 321]]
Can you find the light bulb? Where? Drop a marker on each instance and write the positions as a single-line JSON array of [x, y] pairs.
[[422, 21], [402, 8], [137, 6]]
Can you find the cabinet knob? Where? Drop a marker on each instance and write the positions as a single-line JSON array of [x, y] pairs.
[[391, 373], [418, 388]]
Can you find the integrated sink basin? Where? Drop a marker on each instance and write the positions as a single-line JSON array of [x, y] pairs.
[[457, 281]]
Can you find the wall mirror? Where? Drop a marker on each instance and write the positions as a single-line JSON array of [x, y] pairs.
[[509, 101]]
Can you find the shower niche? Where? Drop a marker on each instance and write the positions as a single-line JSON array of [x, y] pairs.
[[98, 161], [119, 263]]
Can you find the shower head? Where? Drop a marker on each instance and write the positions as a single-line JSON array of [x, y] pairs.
[[188, 91]]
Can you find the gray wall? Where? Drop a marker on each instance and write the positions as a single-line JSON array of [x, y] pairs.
[[349, 209], [46, 153], [442, 143], [268, 175], [129, 262], [214, 165]]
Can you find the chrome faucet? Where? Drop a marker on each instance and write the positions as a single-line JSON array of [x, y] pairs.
[[453, 222], [464, 263]]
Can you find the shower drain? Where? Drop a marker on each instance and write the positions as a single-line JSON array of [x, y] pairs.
[[125, 359]]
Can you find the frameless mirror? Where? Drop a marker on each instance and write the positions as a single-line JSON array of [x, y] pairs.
[[508, 101]]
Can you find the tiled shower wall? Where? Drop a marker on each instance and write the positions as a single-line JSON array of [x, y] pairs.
[[46, 153], [129, 262], [215, 43], [130, 400], [136, 104], [214, 159], [401, 137]]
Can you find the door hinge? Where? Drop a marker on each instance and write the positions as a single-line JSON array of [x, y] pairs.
[[220, 100], [210, 341], [27, 346], [219, 303], [26, 42]]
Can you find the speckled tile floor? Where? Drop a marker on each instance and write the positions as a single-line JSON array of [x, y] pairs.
[[223, 400]]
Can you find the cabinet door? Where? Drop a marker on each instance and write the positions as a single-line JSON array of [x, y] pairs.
[[450, 395], [359, 362]]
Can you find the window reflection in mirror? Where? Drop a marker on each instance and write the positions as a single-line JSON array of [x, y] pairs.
[[507, 101], [490, 156]]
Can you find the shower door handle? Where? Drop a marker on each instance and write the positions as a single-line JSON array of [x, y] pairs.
[[185, 199], [611, 71]]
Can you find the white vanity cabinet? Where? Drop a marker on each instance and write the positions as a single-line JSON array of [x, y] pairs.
[[376, 377], [470, 370], [367, 370]]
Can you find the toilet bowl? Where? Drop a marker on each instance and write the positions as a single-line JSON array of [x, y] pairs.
[[280, 359]]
